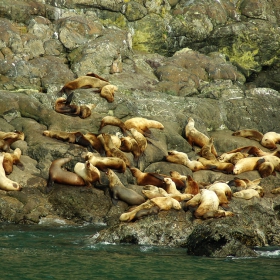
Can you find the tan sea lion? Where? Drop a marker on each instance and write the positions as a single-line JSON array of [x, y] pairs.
[[6, 183], [238, 184], [88, 172], [8, 138], [192, 186], [151, 191], [276, 191], [57, 174], [64, 106], [176, 175], [170, 186], [224, 167], [130, 145], [11, 159], [265, 168], [143, 125], [105, 163], [247, 194], [206, 150], [195, 137], [140, 139], [232, 157], [94, 141], [246, 164], [108, 92], [274, 160], [111, 120], [249, 133], [146, 212], [71, 137], [182, 158], [166, 203], [83, 82], [112, 151], [120, 192], [223, 191], [270, 139]]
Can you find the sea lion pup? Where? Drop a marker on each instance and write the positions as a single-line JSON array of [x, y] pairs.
[[223, 191], [108, 92], [88, 172], [249, 133], [110, 120], [64, 106], [112, 151], [206, 150], [208, 205], [82, 82], [143, 125], [146, 212], [192, 186], [6, 183], [246, 164], [105, 163], [182, 158], [195, 137], [11, 159], [57, 174], [71, 137], [270, 139], [120, 192], [8, 138], [152, 178], [224, 167], [249, 193]]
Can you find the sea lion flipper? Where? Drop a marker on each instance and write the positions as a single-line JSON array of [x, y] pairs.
[[115, 201], [158, 176], [69, 98]]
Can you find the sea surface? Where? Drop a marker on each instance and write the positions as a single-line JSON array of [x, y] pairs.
[[63, 252]]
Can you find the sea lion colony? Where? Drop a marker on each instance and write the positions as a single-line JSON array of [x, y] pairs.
[[159, 191]]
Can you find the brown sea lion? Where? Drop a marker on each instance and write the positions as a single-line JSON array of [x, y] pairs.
[[182, 158], [143, 125], [8, 138], [195, 137], [246, 164], [88, 172], [105, 163], [120, 192], [151, 178], [176, 175], [94, 141], [64, 106], [108, 92], [232, 157], [57, 174], [71, 137], [83, 82], [192, 186], [6, 183], [112, 151], [111, 120], [265, 168], [11, 159], [130, 145], [249, 133], [206, 150], [270, 139], [224, 167]]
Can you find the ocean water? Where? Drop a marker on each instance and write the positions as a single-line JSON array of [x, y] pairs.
[[62, 252]]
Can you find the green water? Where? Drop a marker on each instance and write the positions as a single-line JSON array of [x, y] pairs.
[[62, 252]]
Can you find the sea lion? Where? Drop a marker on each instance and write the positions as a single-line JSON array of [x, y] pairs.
[[223, 191], [94, 141], [11, 159], [64, 106], [224, 167], [265, 168], [105, 163], [116, 66], [249, 133], [195, 137], [6, 183], [176, 175], [192, 186], [143, 125], [83, 82], [182, 158], [270, 139], [238, 184], [130, 145], [166, 203], [112, 151], [108, 92], [154, 192], [151, 178], [110, 120], [232, 157], [274, 160], [206, 150], [276, 191], [8, 138], [146, 212], [57, 174], [247, 194], [246, 164], [88, 172], [170, 186], [71, 137], [119, 191]]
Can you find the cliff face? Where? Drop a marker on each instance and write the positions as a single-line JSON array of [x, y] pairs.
[[216, 62]]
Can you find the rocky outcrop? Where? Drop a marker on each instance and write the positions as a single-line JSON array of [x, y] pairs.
[[177, 59]]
